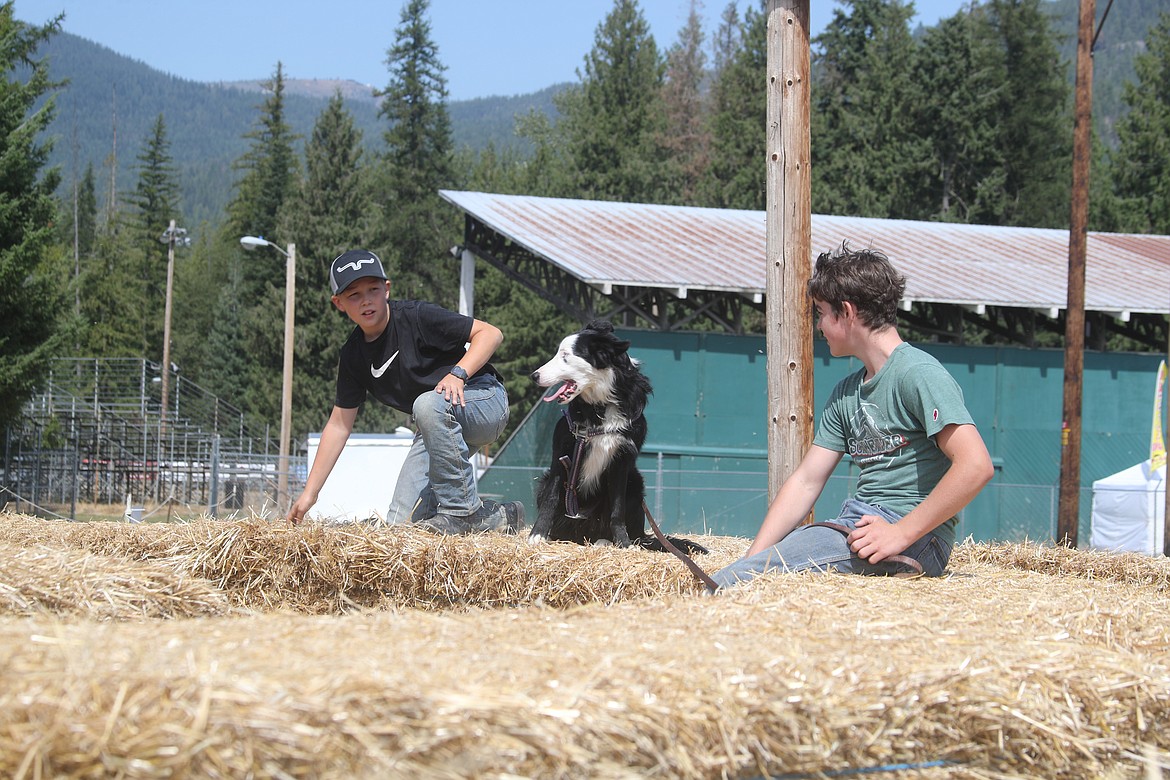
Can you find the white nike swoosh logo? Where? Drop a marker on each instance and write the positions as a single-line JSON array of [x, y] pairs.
[[377, 372]]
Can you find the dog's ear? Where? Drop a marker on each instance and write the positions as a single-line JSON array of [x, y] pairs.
[[600, 326], [607, 351]]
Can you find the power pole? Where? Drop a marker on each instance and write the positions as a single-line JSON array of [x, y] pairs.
[[172, 236], [1068, 513], [789, 239]]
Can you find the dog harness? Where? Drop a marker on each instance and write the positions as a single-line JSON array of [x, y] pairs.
[[582, 433]]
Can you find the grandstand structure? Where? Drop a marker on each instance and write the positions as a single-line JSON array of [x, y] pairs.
[[96, 433]]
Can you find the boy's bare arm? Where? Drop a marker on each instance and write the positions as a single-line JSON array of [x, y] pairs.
[[796, 497], [333, 439], [875, 539], [483, 342]]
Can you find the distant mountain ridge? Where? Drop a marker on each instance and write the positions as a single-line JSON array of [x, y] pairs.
[[109, 105], [310, 88]]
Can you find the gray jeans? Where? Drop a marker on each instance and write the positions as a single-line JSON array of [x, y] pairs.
[[438, 473], [817, 548]]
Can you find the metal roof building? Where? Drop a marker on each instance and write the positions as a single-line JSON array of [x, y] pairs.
[[662, 266]]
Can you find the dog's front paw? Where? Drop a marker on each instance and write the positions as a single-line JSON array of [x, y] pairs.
[[602, 543], [535, 539]]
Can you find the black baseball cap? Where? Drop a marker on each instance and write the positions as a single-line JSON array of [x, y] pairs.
[[353, 265]]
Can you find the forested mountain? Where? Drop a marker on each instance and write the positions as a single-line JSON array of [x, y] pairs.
[[111, 101], [106, 110], [1121, 36]]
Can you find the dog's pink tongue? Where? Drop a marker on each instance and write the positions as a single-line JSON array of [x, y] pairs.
[[560, 393]]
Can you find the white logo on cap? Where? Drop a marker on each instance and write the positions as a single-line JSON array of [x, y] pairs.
[[356, 264]]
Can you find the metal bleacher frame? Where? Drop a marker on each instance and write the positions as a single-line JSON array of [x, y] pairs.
[[96, 433]]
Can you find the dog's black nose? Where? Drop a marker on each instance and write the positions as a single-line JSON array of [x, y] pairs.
[[534, 376]]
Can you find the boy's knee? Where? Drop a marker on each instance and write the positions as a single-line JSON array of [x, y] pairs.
[[429, 408]]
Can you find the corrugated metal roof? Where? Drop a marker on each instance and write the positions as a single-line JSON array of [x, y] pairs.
[[605, 243]]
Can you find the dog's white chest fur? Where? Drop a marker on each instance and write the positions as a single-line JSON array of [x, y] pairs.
[[600, 451]]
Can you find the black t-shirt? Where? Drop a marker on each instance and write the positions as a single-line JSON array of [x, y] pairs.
[[420, 345]]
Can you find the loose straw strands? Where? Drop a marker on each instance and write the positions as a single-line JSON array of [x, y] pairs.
[[485, 656]]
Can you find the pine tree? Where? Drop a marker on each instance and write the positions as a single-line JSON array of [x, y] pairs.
[[155, 202], [418, 229], [613, 124], [250, 320], [112, 291], [35, 293], [958, 78], [726, 39], [269, 170], [866, 151], [1141, 164], [686, 137], [1032, 119], [735, 177]]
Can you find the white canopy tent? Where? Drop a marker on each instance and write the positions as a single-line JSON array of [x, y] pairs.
[[1129, 510]]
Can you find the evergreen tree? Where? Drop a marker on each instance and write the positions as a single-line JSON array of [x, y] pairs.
[[111, 295], [155, 202], [614, 124], [726, 39], [687, 139], [1141, 165], [201, 274], [418, 228], [736, 176], [958, 79], [269, 171], [1032, 119], [866, 151], [35, 293], [227, 361], [79, 232], [250, 320]]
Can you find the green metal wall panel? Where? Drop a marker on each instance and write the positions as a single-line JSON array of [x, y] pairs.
[[705, 459]]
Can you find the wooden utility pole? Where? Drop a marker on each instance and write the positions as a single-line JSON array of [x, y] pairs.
[[789, 238], [1068, 516]]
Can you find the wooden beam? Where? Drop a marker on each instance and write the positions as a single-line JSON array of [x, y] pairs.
[[788, 236], [1068, 511]]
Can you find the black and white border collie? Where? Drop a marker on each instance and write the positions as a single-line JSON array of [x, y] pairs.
[[593, 492]]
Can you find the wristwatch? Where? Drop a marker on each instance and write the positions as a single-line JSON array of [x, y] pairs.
[[459, 373]]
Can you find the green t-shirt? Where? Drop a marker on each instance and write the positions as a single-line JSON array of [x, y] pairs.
[[887, 426]]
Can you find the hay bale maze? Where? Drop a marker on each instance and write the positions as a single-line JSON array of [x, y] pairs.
[[247, 648]]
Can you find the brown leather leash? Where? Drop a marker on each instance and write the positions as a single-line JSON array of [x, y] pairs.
[[905, 560], [682, 556]]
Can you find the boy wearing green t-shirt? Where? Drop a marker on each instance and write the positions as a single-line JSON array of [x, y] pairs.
[[902, 420]]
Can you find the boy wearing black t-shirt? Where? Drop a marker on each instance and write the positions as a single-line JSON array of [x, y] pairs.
[[432, 363]]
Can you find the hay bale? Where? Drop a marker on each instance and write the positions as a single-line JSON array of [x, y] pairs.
[[41, 579], [322, 569], [1024, 662]]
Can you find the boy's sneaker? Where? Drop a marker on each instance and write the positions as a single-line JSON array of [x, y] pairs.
[[449, 525], [506, 517]]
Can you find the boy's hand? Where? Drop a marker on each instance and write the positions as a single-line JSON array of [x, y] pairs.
[[876, 539], [451, 388], [296, 512]]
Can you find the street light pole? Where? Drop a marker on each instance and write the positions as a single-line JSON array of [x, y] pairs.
[[172, 236], [290, 287]]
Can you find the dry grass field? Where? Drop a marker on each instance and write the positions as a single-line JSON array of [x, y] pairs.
[[246, 648]]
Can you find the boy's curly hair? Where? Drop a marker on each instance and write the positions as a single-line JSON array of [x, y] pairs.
[[864, 277]]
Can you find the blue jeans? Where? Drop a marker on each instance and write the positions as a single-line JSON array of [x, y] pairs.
[[438, 474], [817, 548]]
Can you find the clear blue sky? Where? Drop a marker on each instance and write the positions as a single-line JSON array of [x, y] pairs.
[[490, 47]]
